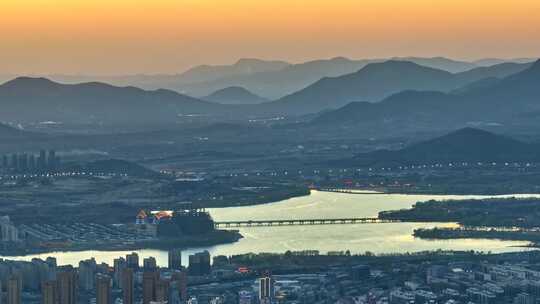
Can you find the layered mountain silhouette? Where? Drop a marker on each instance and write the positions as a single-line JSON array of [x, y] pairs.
[[415, 94], [493, 61], [269, 79], [371, 83], [377, 81], [234, 95], [245, 66], [511, 99], [464, 145], [440, 63], [500, 70], [276, 84], [182, 82], [38, 99]]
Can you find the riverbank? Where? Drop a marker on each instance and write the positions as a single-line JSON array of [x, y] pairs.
[[218, 237], [470, 233], [420, 191], [255, 197], [489, 212], [505, 219], [381, 238]]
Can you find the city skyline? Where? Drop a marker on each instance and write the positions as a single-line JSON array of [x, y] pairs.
[[98, 37]]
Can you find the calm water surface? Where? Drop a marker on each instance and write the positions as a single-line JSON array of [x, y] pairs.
[[358, 238]]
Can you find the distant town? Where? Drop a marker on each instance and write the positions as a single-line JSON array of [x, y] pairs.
[[30, 163], [149, 229]]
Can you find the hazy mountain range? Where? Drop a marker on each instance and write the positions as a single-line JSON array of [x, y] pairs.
[[464, 145], [510, 100], [234, 95], [377, 81], [410, 93], [493, 61], [34, 100], [246, 66], [276, 84], [269, 79]]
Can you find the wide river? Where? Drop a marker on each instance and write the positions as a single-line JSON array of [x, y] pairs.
[[358, 238]]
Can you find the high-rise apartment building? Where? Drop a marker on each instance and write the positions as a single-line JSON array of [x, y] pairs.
[[149, 264], [128, 285], [181, 279], [162, 291], [67, 286], [14, 290], [266, 289], [87, 273], [49, 293], [175, 259], [199, 264], [132, 261], [119, 266], [150, 279], [103, 289]]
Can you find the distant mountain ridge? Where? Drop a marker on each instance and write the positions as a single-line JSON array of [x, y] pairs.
[[183, 81], [27, 99], [275, 84], [234, 95], [500, 70], [377, 81], [463, 145], [493, 61], [418, 97], [266, 78], [440, 63], [278, 83], [508, 100], [244, 66], [469, 144]]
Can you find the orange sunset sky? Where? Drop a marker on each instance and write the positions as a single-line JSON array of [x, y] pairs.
[[169, 36]]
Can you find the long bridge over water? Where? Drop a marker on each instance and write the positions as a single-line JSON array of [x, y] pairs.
[[348, 191], [300, 222]]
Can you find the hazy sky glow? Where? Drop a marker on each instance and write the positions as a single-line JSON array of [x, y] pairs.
[[154, 36]]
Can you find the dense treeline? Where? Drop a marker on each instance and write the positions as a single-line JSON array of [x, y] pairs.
[[459, 233], [495, 212]]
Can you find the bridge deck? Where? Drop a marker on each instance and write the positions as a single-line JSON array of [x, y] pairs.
[[298, 222], [349, 191]]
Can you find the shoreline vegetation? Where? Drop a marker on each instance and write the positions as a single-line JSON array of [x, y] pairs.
[[314, 258], [266, 198], [515, 219], [488, 212], [471, 233], [421, 190]]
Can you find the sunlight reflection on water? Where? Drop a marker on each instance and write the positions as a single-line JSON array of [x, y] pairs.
[[358, 238]]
